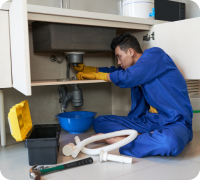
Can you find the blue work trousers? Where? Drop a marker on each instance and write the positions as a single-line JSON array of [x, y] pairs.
[[167, 140]]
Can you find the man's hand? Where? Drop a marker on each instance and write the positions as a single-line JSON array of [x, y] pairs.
[[93, 75], [108, 77], [85, 69]]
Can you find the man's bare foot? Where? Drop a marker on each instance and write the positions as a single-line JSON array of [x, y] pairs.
[[100, 141], [110, 140]]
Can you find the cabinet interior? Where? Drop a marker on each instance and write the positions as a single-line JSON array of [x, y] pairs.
[[45, 72]]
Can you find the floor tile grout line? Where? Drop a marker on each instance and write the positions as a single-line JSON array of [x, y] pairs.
[[140, 169], [11, 156], [155, 165], [194, 161], [193, 152], [15, 143], [186, 155], [67, 174]]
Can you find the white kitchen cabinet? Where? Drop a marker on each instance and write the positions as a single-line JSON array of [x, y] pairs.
[[178, 39], [21, 14], [181, 41], [5, 68], [5, 61], [20, 47]]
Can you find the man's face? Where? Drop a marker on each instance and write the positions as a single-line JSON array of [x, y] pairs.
[[125, 59]]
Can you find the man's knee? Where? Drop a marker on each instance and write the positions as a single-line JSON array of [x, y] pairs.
[[172, 142], [173, 145], [97, 123], [99, 119], [109, 123]]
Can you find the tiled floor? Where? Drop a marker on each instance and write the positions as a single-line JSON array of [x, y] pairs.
[[186, 166]]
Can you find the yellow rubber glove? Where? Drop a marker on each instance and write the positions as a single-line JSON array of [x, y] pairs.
[[92, 75], [85, 69], [153, 110]]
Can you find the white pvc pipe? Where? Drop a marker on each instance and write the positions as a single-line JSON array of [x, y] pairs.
[[104, 156], [80, 144], [2, 120]]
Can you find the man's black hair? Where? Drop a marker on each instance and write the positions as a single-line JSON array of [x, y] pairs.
[[126, 41]]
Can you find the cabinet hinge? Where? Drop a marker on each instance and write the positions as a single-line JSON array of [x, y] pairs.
[[149, 37]]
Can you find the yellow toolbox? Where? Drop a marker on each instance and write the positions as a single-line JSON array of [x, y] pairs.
[[42, 141]]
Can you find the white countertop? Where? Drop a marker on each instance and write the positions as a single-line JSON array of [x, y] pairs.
[[85, 14]]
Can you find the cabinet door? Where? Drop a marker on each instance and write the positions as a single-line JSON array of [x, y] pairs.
[[181, 41], [5, 62], [20, 46]]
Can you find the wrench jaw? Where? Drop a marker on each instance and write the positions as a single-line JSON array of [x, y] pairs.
[[34, 173]]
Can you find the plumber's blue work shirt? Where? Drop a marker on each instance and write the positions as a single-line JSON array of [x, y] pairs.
[[155, 80]]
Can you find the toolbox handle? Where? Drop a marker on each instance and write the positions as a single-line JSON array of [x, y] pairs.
[[29, 133]]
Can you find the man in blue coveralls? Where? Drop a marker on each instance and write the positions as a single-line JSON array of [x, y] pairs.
[[160, 112]]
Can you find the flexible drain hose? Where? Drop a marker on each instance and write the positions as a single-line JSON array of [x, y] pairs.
[[81, 144]]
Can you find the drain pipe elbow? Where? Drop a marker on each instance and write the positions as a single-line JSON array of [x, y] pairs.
[[64, 104]]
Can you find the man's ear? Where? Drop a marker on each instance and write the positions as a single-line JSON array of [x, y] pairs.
[[131, 51]]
